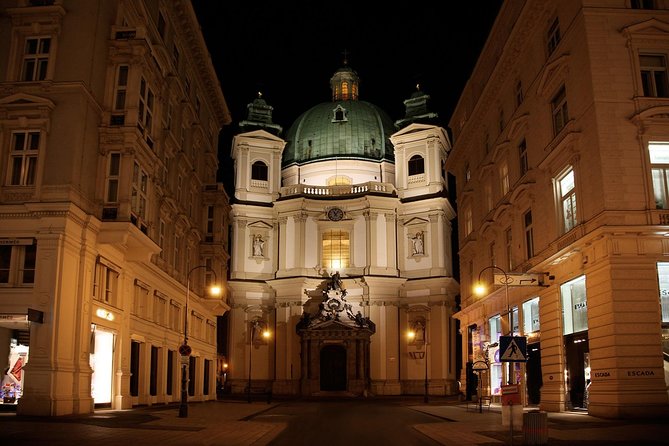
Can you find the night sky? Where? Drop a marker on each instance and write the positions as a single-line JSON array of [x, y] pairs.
[[289, 50]]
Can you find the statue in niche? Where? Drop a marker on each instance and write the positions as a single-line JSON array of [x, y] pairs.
[[417, 241], [258, 245]]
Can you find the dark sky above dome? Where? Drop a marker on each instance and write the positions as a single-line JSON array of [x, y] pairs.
[[289, 50]]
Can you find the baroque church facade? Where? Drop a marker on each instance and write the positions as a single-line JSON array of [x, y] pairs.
[[341, 247]]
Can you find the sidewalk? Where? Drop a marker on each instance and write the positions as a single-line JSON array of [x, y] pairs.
[[469, 427]]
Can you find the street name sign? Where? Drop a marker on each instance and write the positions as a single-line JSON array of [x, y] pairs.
[[517, 279]]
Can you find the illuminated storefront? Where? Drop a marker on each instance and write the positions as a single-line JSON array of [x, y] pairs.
[[14, 349]]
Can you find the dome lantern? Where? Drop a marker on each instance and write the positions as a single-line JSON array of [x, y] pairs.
[[345, 83]]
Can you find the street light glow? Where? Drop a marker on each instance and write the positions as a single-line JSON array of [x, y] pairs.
[[411, 334], [480, 289], [215, 290]]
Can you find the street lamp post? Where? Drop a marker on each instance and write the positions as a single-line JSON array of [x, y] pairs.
[[255, 324], [480, 290], [185, 349]]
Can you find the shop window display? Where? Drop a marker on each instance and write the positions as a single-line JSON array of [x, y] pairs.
[[13, 376]]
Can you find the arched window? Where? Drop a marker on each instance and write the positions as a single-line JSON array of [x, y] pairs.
[[416, 165], [344, 91], [259, 171]]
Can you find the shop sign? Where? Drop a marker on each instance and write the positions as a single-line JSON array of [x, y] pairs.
[[16, 241], [639, 373], [13, 317], [602, 374]]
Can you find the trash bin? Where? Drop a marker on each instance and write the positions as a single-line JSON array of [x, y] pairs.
[[535, 427]]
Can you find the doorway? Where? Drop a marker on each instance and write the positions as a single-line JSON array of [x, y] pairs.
[[534, 379], [333, 368], [101, 359], [577, 364]]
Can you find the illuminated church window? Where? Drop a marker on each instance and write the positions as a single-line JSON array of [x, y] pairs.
[[336, 249], [344, 91], [339, 180]]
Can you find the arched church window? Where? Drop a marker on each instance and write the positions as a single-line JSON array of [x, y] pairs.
[[339, 180], [344, 91], [416, 165], [259, 171], [336, 250]]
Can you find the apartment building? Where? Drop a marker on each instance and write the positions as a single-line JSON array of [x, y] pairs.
[[112, 222], [561, 149]]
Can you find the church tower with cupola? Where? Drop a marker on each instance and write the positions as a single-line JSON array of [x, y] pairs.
[[338, 255]]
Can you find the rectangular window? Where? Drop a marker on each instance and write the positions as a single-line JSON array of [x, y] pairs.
[[488, 197], [159, 309], [105, 286], [491, 254], [663, 279], [140, 180], [17, 263], [659, 159], [121, 88], [643, 4], [469, 222], [531, 316], [509, 248], [36, 58], [175, 317], [519, 93], [529, 235], [559, 111], [145, 115], [5, 263], [504, 178], [522, 157], [335, 249], [23, 158], [553, 36], [162, 25], [210, 222], [567, 194], [175, 257], [654, 75], [161, 239], [113, 177], [141, 301], [574, 306], [208, 273], [175, 56]]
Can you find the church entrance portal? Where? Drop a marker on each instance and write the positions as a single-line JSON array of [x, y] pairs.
[[333, 368], [334, 343]]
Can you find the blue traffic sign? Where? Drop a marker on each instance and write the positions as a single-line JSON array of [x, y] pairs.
[[512, 348]]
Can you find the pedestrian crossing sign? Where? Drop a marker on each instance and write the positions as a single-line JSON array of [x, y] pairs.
[[513, 348]]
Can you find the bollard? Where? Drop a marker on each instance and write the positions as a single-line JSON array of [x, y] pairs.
[[535, 427]]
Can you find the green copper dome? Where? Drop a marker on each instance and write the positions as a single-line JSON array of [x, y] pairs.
[[339, 129]]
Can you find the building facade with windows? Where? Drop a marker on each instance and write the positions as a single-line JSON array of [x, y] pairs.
[[341, 245], [112, 220], [560, 154]]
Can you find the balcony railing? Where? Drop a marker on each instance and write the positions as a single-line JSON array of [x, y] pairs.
[[371, 187]]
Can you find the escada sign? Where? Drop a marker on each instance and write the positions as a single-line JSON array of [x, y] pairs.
[[640, 373]]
